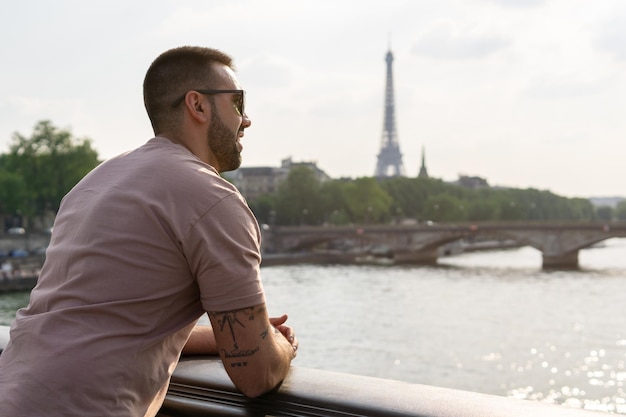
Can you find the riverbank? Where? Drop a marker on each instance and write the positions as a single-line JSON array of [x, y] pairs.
[[15, 284], [21, 259], [20, 273], [380, 257]]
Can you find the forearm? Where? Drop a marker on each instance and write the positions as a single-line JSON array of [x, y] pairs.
[[256, 351], [201, 342], [260, 370], [278, 361]]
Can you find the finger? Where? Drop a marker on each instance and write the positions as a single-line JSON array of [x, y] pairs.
[[286, 331], [294, 345], [277, 321]]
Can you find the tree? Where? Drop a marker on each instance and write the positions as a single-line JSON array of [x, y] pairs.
[[48, 164], [298, 199], [482, 210], [410, 195], [334, 204], [373, 200], [604, 213], [444, 208], [263, 208], [12, 192], [12, 198], [367, 201], [620, 210]]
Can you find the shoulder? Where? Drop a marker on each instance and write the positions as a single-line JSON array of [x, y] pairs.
[[162, 177], [173, 169]]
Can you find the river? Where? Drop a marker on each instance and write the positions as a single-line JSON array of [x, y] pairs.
[[491, 322]]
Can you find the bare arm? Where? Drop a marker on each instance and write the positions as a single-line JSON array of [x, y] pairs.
[[200, 342], [256, 350]]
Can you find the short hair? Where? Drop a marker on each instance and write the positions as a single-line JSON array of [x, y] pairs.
[[172, 74]]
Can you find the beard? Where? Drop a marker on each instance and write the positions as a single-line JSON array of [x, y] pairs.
[[223, 144]]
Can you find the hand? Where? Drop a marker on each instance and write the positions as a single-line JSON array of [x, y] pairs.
[[286, 331]]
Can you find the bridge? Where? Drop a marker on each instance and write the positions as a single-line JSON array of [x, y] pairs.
[[558, 242]]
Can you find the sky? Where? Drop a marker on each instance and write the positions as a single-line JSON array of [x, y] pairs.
[[523, 93]]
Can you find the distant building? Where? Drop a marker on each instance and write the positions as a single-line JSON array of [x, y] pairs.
[[253, 182], [389, 163], [471, 182], [423, 172], [319, 174], [606, 201]]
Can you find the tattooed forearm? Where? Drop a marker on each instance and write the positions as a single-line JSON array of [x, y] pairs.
[[239, 353], [229, 321], [265, 332]]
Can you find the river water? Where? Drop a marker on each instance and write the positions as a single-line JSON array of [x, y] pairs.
[[490, 322]]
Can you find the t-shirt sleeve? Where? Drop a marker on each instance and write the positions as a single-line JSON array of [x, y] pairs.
[[223, 251]]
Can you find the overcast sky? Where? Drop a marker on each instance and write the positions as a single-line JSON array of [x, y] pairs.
[[524, 93]]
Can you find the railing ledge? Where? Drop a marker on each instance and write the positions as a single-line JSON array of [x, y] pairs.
[[201, 387]]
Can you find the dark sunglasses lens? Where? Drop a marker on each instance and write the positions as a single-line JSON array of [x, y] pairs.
[[241, 102]]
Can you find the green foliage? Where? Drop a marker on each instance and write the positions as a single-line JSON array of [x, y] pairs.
[[43, 168], [604, 213], [409, 195], [480, 209], [443, 208], [367, 202], [620, 210], [12, 191], [263, 208], [334, 202], [39, 170], [298, 200], [302, 199]]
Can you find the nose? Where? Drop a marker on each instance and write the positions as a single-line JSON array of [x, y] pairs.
[[246, 121]]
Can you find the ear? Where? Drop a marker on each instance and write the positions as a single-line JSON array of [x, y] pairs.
[[198, 107]]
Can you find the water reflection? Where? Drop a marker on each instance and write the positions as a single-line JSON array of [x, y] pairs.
[[594, 382], [486, 322], [491, 322]]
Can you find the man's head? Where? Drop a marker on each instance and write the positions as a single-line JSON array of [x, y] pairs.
[[193, 97], [174, 73]]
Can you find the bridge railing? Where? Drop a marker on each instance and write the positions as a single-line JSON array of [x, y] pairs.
[[201, 387]]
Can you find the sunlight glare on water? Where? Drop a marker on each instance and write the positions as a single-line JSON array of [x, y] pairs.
[[490, 322]]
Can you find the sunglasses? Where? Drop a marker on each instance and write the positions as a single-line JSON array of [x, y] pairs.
[[239, 102]]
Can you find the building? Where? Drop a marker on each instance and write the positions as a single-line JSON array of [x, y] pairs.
[[423, 173], [471, 182], [253, 182], [389, 163]]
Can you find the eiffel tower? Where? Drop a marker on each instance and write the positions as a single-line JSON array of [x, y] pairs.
[[390, 158]]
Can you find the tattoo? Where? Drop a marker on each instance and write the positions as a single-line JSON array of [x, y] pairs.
[[238, 364], [264, 333], [239, 353], [230, 319]]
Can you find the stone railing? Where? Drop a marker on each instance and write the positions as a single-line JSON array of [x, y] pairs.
[[201, 387]]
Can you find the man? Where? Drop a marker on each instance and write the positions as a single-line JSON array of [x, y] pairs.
[[142, 247]]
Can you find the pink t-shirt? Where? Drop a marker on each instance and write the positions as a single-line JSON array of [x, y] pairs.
[[142, 247]]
